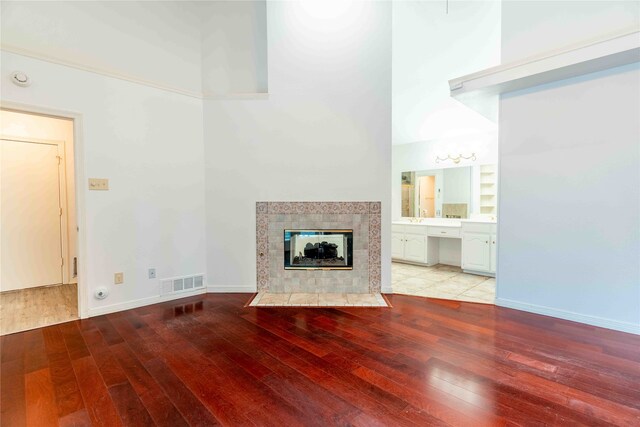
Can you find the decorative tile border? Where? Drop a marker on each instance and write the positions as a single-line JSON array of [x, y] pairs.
[[268, 212], [318, 207], [375, 279]]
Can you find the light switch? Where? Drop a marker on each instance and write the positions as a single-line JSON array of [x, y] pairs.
[[118, 278], [98, 184]]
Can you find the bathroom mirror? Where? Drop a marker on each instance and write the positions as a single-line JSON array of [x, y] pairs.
[[450, 193]]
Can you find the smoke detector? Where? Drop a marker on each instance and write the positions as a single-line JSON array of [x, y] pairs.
[[20, 78]]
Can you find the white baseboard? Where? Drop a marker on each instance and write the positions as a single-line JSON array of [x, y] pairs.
[[246, 289], [128, 305], [569, 315]]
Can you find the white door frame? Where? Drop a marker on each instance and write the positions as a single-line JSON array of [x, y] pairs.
[[79, 165], [62, 195]]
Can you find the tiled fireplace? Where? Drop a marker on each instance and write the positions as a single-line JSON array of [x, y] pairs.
[[323, 226]]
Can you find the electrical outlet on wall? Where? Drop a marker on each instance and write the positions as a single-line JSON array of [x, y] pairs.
[[118, 278], [152, 273]]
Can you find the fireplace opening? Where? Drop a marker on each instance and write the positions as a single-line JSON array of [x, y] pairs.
[[318, 249]]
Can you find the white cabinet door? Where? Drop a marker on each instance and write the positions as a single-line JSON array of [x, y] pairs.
[[493, 252], [476, 251], [397, 245], [415, 247]]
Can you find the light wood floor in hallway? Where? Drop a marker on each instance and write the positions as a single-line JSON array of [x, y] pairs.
[[37, 307]]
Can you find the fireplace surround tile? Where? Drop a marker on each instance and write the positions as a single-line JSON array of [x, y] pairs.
[[272, 218]]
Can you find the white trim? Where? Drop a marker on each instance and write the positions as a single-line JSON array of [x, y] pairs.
[[614, 50], [246, 289], [96, 70], [128, 305], [570, 315], [130, 78], [78, 154], [386, 289]]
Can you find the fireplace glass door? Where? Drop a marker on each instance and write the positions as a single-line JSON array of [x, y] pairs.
[[318, 249]]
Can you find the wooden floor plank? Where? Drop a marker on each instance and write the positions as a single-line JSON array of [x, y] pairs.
[[68, 397], [193, 411], [100, 406], [13, 410], [153, 398], [75, 419], [40, 399], [209, 360], [131, 410]]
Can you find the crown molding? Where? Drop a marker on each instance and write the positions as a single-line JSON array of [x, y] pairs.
[[128, 77]]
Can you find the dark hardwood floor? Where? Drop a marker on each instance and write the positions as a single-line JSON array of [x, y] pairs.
[[208, 361]]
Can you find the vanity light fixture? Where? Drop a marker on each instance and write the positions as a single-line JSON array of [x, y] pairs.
[[457, 159]]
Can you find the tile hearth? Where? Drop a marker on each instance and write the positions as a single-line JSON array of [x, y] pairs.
[[266, 299]]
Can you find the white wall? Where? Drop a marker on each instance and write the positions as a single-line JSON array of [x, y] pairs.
[[431, 46], [234, 47], [323, 134], [148, 142], [422, 156], [531, 27], [569, 229], [29, 126], [154, 41]]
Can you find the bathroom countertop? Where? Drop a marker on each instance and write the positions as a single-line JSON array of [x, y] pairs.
[[445, 222], [480, 221], [434, 222]]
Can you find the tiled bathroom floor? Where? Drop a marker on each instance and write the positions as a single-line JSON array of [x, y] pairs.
[[442, 281], [264, 299]]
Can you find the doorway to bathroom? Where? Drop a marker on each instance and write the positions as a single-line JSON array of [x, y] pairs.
[[38, 227], [427, 196]]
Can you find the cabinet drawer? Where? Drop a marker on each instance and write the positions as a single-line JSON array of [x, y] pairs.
[[450, 232], [396, 228], [478, 227], [409, 228]]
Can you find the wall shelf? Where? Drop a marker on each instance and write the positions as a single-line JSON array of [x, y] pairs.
[[595, 55], [488, 193]]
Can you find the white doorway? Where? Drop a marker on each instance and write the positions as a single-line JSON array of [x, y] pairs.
[[427, 196], [38, 229]]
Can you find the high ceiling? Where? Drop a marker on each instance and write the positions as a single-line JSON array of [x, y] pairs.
[[432, 44]]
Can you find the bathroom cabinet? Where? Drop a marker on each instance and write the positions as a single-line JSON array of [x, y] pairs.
[[476, 251], [479, 248], [410, 243], [420, 243]]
